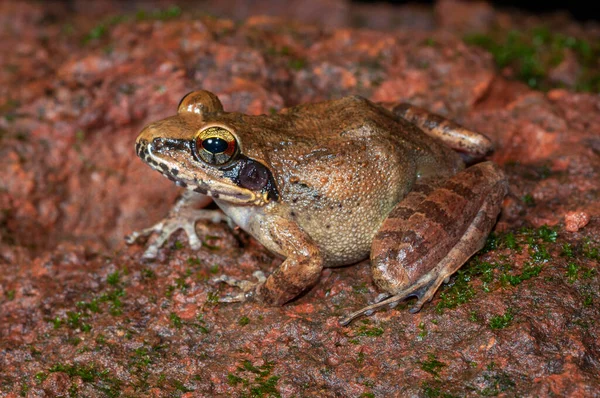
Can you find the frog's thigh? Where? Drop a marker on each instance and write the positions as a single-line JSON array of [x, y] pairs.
[[428, 236], [301, 268], [470, 145]]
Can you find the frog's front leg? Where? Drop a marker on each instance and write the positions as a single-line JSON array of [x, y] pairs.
[[183, 215], [433, 232], [300, 270]]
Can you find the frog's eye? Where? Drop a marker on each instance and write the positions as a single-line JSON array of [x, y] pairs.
[[216, 146]]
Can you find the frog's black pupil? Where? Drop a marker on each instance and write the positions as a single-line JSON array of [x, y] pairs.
[[215, 145]]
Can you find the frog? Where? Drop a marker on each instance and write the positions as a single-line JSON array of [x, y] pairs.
[[329, 184]]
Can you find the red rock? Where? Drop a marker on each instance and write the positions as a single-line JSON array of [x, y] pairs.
[[575, 220], [71, 293]]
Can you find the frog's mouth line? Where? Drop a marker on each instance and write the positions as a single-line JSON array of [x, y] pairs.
[[224, 192]]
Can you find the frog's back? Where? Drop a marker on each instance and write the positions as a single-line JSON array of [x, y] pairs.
[[359, 123], [343, 166]]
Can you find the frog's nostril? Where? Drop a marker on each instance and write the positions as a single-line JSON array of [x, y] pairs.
[[158, 143]]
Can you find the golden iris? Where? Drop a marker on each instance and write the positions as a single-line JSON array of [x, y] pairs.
[[215, 145]]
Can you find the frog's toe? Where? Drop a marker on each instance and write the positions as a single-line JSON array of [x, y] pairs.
[[184, 219], [423, 289], [234, 298], [164, 230], [240, 283], [142, 233], [247, 288], [380, 297]]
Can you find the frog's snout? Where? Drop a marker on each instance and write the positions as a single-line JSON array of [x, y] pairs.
[[141, 149]]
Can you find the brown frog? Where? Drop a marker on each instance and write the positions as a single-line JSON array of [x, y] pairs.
[[327, 184]]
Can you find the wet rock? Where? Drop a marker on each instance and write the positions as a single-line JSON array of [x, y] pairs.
[[82, 314]]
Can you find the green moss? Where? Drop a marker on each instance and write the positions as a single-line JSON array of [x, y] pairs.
[[547, 234], [40, 377], [422, 331], [169, 292], [587, 273], [297, 64], [193, 261], [75, 321], [180, 386], [434, 392], [588, 300], [473, 317], [367, 330], [529, 271], [92, 306], [114, 278], [501, 321], [148, 274], [200, 324], [497, 382], [263, 385], [210, 247], [97, 32], [432, 365], [528, 200], [567, 250], [10, 294], [590, 250], [177, 245], [74, 341], [510, 241], [234, 380], [101, 30], [113, 298], [161, 15], [532, 53], [360, 357], [539, 253], [176, 320], [265, 388], [360, 289], [89, 373], [181, 284], [572, 271], [141, 357], [212, 298], [243, 321], [461, 289]]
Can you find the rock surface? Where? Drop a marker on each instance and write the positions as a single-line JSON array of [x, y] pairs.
[[82, 315]]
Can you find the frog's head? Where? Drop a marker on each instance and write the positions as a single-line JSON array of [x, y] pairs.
[[201, 151]]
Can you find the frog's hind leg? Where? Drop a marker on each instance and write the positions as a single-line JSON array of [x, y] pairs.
[[470, 145], [432, 233]]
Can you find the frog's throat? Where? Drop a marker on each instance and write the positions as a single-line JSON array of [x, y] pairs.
[[215, 189]]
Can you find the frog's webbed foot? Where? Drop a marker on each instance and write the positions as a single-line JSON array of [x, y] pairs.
[[423, 289], [184, 219], [247, 288], [184, 216]]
